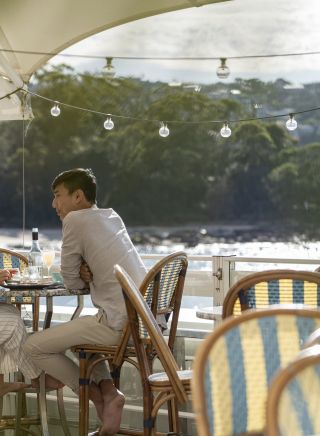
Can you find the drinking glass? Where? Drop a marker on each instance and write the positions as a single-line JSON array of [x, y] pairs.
[[48, 259]]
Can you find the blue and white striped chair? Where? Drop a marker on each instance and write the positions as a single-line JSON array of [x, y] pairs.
[[294, 397], [235, 365], [266, 288]]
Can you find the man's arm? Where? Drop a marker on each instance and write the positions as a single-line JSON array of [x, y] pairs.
[[71, 254]]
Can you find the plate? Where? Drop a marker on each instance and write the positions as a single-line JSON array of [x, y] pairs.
[[31, 285]]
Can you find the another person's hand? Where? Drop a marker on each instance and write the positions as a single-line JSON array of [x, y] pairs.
[[5, 274], [85, 273]]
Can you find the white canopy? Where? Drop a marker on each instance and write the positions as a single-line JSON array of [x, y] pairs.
[[45, 28]]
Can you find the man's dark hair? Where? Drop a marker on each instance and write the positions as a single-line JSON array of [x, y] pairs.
[[78, 178]]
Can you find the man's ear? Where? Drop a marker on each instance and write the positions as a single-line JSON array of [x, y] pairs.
[[79, 196]]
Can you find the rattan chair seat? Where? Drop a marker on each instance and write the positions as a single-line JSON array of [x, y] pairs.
[[161, 378]]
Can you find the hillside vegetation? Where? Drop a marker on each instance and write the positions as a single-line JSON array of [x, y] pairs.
[[262, 173]]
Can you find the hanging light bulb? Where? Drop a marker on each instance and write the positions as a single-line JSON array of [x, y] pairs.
[[225, 132], [55, 110], [291, 124], [223, 71], [108, 124], [164, 131], [109, 70]]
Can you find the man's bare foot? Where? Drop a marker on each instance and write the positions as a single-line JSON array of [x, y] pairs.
[[12, 387], [112, 411], [96, 397], [51, 383]]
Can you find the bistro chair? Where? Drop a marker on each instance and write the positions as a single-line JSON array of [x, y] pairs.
[[266, 288], [12, 259], [162, 290], [294, 397], [22, 421], [171, 386], [236, 363]]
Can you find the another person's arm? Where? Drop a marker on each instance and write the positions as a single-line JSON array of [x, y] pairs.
[[5, 274]]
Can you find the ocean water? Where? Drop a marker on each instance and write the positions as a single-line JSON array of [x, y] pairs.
[[293, 249]]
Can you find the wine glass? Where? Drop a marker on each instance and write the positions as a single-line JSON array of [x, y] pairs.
[[48, 258]]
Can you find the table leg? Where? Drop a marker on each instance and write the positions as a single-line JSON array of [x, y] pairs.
[[35, 314], [79, 307], [48, 315]]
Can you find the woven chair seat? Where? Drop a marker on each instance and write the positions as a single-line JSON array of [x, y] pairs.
[[161, 378], [106, 350]]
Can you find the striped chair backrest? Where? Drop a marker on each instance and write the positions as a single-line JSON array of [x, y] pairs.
[[11, 259], [236, 364], [266, 288], [163, 287], [294, 397]]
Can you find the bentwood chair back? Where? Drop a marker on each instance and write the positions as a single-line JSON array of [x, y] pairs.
[[294, 397], [170, 386], [235, 365], [263, 289], [313, 339], [12, 259], [162, 290]]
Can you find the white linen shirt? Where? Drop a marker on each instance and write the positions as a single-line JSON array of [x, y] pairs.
[[99, 237]]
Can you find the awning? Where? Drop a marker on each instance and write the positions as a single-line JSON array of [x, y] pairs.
[[47, 28]]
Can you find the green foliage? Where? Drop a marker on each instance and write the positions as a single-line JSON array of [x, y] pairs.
[[260, 172], [295, 185]]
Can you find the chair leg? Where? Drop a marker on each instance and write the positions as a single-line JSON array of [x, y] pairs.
[[62, 412], [43, 405], [19, 412], [83, 395], [173, 413], [1, 398], [148, 421], [115, 372]]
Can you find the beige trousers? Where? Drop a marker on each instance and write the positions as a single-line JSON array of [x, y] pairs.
[[47, 348]]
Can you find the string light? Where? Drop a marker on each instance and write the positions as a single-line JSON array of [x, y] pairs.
[[164, 131], [108, 124], [225, 132], [223, 71], [55, 110], [291, 124], [109, 70]]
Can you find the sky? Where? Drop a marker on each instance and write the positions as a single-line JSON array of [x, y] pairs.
[[233, 28]]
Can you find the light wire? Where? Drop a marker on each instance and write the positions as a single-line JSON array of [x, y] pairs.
[[160, 58], [108, 114]]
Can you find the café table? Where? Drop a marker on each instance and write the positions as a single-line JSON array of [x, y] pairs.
[[28, 294], [212, 313]]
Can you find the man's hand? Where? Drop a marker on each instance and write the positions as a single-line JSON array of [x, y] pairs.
[[85, 273]]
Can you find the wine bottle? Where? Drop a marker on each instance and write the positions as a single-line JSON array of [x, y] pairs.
[[35, 255]]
